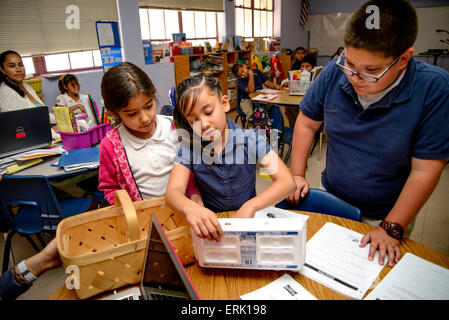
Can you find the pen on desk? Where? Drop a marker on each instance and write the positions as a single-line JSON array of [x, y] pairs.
[[330, 276]]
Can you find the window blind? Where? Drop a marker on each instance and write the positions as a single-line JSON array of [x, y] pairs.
[[197, 5], [39, 27]]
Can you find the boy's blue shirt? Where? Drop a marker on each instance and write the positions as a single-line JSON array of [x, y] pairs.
[[259, 80], [369, 151], [229, 182]]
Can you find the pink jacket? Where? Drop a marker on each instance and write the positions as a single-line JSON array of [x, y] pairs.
[[115, 172]]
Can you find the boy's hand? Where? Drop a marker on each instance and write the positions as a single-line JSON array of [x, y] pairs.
[[381, 240], [302, 188], [204, 222]]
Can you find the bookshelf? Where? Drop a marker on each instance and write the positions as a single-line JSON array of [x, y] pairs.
[[218, 64]]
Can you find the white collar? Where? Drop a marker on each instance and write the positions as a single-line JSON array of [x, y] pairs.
[[138, 143]]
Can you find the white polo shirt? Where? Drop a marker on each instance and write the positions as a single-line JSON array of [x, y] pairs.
[[67, 101], [151, 160]]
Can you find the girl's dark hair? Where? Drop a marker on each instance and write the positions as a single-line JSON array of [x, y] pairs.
[[121, 83], [65, 80], [4, 78], [398, 28], [187, 94], [310, 58], [235, 68]]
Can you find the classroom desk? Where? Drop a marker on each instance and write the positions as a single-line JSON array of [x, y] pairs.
[[230, 284], [51, 172], [284, 99]]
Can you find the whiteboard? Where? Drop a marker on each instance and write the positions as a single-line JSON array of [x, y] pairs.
[[327, 30]]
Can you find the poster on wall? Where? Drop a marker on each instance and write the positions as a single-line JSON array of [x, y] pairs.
[[109, 43]]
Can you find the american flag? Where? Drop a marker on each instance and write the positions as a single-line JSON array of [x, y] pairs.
[[304, 12]]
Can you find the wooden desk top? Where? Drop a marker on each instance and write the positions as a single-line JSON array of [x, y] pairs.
[[284, 99], [230, 284]]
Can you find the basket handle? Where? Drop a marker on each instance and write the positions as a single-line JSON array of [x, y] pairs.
[[122, 199]]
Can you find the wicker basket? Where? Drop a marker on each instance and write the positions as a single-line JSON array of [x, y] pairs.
[[108, 244]]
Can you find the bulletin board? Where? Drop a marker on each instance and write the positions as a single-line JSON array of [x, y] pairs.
[[109, 43], [327, 30]]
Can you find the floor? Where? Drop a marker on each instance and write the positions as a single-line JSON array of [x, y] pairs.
[[431, 227]]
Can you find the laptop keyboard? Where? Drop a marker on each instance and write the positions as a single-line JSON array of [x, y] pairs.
[[155, 296]]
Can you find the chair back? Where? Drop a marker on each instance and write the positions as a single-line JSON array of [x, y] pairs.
[[321, 201], [39, 208], [277, 118]]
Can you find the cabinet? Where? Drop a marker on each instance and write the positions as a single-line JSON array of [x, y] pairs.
[[217, 64]]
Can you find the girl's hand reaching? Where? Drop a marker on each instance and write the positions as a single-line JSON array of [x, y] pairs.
[[204, 222], [245, 211]]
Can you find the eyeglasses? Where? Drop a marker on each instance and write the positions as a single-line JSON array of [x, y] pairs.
[[363, 76]]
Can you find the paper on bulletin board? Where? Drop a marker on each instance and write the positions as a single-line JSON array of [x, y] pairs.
[[105, 34]]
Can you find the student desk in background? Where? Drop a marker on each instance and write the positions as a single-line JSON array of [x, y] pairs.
[[51, 172], [230, 284], [285, 99]]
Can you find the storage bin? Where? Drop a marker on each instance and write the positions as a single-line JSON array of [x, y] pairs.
[[85, 139], [108, 245]]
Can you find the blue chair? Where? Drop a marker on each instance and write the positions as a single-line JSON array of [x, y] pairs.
[[285, 133], [31, 207], [240, 114], [90, 187], [167, 110], [321, 201]]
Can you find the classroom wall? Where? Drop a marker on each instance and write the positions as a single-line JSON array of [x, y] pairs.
[[286, 25], [325, 6]]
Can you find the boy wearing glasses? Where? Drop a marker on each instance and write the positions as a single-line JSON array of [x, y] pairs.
[[386, 118]]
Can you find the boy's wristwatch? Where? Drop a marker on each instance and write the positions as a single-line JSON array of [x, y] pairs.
[[394, 230]]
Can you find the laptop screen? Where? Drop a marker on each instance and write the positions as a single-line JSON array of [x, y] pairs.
[[162, 269], [24, 130]]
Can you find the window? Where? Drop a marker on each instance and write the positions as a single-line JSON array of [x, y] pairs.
[[73, 61], [29, 66], [158, 25], [254, 18]]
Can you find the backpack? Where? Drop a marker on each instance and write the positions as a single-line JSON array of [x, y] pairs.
[[260, 120]]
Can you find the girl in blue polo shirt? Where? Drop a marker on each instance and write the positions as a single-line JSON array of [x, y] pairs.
[[222, 157]]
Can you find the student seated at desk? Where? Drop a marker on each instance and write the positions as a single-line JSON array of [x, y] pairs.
[[307, 63], [248, 81], [137, 155], [72, 98], [385, 116], [225, 168], [300, 52], [15, 94]]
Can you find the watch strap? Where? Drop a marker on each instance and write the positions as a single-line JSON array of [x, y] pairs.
[[394, 230], [26, 273]]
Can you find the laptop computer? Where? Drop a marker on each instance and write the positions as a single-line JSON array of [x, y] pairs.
[[163, 276], [23, 130]]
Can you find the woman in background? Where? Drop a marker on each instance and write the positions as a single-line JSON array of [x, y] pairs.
[[14, 93]]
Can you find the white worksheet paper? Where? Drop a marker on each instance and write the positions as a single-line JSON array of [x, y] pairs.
[[334, 259], [413, 278], [284, 288]]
